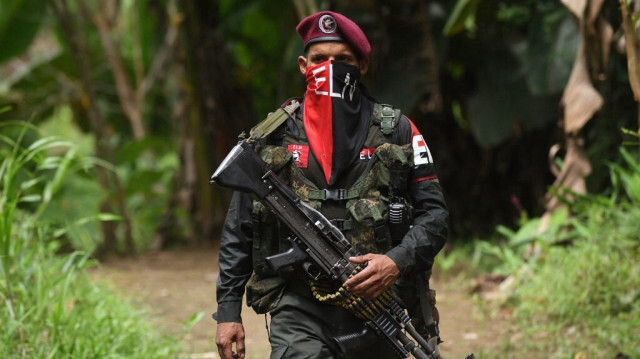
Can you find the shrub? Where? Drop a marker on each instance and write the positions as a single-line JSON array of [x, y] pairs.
[[50, 307], [577, 285]]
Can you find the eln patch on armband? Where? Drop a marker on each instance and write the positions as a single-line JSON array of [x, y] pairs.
[[421, 153]]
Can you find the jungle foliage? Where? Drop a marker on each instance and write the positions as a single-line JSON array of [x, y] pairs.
[[51, 308], [576, 279]]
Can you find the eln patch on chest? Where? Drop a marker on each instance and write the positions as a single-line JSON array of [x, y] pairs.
[[300, 155]]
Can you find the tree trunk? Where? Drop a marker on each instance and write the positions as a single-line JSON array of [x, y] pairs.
[[109, 183], [218, 110]]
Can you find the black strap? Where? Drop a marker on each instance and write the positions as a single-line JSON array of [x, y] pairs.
[[337, 194], [342, 224], [427, 310]]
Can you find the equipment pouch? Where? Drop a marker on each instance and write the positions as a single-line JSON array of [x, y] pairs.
[[276, 158], [397, 161], [266, 236], [265, 287], [264, 294], [370, 233]]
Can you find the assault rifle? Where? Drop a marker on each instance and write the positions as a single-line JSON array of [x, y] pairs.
[[323, 250]]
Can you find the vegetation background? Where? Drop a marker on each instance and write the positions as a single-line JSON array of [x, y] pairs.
[[114, 114]]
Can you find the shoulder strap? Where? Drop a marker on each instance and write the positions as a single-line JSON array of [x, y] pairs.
[[273, 120]]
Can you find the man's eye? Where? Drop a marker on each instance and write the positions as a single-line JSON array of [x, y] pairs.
[[318, 58], [343, 58]]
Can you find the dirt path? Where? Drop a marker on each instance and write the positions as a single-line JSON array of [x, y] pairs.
[[175, 285]]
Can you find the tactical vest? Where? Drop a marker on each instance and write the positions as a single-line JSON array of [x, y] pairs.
[[359, 209]]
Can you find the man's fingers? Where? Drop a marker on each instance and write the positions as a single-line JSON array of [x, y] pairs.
[[368, 289], [240, 347], [379, 274], [359, 283], [361, 259], [226, 335], [364, 274], [224, 349], [225, 352], [224, 346], [356, 280]]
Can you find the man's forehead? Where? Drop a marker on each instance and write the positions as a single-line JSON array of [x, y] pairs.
[[333, 47]]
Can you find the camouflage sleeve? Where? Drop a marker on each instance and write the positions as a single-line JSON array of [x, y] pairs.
[[234, 259], [429, 233]]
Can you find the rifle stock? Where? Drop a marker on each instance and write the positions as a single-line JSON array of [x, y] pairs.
[[240, 171], [320, 243]]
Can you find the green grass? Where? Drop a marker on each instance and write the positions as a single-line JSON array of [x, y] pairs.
[[588, 293], [576, 292], [56, 311], [49, 307]]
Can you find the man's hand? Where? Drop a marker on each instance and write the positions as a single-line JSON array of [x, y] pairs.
[[379, 274], [226, 335]]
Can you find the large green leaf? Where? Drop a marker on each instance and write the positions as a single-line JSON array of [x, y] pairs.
[[19, 23]]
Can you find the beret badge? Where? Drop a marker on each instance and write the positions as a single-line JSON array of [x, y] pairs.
[[327, 24]]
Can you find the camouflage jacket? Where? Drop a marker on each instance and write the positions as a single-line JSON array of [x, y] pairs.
[[413, 254]]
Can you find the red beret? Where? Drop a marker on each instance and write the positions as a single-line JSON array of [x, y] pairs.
[[331, 26]]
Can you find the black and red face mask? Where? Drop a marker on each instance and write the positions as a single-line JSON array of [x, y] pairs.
[[337, 114]]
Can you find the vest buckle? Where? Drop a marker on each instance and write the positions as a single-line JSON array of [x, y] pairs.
[[334, 194]]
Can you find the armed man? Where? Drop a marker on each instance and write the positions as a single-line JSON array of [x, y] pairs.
[[367, 169]]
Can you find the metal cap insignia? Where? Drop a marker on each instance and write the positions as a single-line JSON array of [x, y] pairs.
[[327, 24]]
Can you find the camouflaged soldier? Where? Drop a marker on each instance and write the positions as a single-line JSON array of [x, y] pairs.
[[365, 167]]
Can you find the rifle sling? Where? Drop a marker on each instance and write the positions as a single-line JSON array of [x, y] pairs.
[[427, 310], [273, 121]]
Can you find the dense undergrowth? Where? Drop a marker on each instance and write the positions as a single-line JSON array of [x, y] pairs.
[[574, 289], [49, 307]]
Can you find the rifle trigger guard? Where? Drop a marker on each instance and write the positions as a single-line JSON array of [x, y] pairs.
[[312, 270]]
